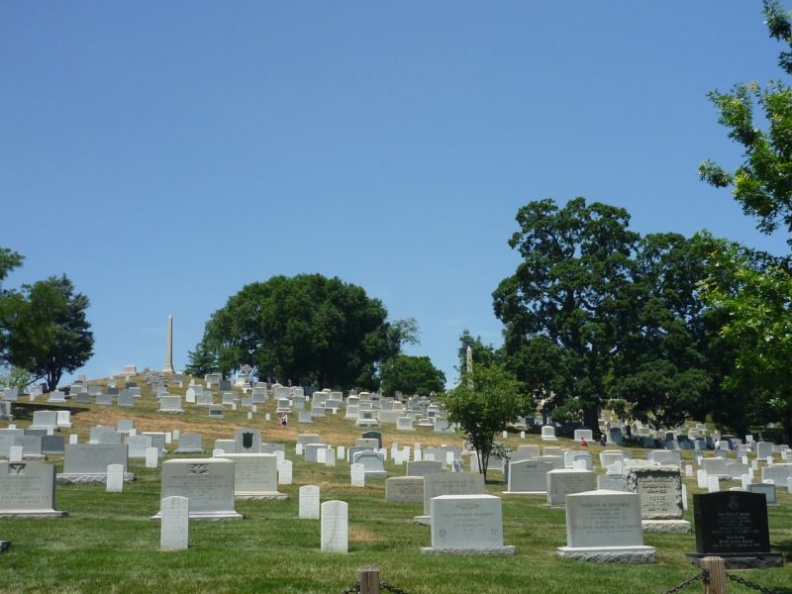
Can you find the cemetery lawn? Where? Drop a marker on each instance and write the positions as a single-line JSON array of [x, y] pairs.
[[108, 542]]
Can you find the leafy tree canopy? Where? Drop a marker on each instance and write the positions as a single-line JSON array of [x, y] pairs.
[[484, 354], [14, 377], [572, 293], [9, 260], [596, 315], [411, 375], [484, 403], [757, 324], [48, 333], [307, 329]]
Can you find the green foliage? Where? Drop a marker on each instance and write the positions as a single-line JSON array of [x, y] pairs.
[[398, 334], [760, 329], [411, 375], [485, 354], [754, 307], [9, 260], [484, 403], [572, 293], [597, 315], [14, 377], [762, 183], [307, 329], [202, 361], [48, 333], [665, 359]]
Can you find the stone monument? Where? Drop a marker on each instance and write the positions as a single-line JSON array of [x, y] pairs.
[[605, 527], [168, 368]]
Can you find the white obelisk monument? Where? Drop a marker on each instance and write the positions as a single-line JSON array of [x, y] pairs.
[[169, 351]]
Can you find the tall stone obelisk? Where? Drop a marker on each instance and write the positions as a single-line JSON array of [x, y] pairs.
[[169, 351]]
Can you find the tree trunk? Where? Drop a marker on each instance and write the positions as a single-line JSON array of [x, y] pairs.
[[53, 377], [591, 420]]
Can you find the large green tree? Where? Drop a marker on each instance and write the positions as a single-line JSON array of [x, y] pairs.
[[410, 375], [760, 120], [47, 329], [597, 315], [484, 403], [307, 328], [565, 307]]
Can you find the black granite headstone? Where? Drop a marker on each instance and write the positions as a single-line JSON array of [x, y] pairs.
[[731, 522]]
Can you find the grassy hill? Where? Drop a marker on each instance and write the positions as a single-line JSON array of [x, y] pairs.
[[108, 543]]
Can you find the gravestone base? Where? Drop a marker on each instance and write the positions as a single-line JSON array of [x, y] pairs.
[[262, 495], [542, 493], [67, 478], [635, 554], [210, 516], [740, 560], [369, 423], [423, 520], [34, 456], [376, 474], [501, 551], [666, 526], [32, 514]]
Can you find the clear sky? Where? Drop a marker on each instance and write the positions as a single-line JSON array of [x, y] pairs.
[[165, 154]]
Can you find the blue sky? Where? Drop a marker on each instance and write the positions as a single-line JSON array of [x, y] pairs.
[[165, 154]]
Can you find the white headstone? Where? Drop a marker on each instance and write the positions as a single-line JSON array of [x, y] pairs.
[[309, 502], [358, 475], [335, 527], [528, 476], [605, 526], [472, 524], [404, 489], [561, 483], [207, 482], [27, 489], [152, 457], [255, 476], [285, 473], [175, 523], [15, 453], [115, 478]]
